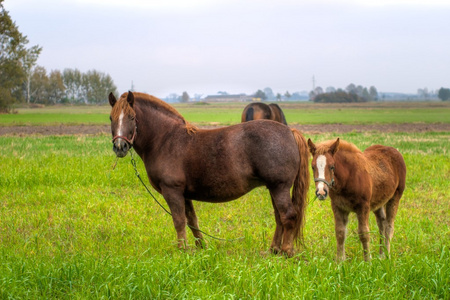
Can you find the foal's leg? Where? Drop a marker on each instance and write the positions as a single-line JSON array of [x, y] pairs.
[[380, 214], [176, 203], [193, 223], [363, 230], [277, 237], [288, 217], [391, 212], [340, 229]]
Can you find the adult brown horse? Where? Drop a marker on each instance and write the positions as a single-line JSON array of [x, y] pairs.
[[259, 110], [359, 182], [185, 163]]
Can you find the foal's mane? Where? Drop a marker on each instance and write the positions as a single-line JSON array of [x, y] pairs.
[[149, 100], [323, 147]]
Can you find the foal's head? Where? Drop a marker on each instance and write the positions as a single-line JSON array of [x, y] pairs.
[[323, 166], [123, 123]]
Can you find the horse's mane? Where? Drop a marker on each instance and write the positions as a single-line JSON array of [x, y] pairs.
[[323, 147], [122, 105], [160, 105]]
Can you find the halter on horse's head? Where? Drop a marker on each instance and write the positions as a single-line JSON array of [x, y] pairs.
[[323, 168], [123, 123]]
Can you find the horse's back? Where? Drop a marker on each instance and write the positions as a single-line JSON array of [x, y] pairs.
[[377, 152], [241, 157], [277, 113], [256, 111], [264, 140], [388, 168]]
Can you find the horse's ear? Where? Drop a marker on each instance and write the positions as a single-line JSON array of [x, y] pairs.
[[312, 147], [130, 98], [112, 99], [335, 147]]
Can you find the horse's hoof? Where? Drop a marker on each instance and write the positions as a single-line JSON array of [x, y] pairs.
[[201, 244]]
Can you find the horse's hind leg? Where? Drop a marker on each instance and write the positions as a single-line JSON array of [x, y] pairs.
[[391, 212], [278, 235], [288, 219], [363, 230], [380, 214], [193, 223]]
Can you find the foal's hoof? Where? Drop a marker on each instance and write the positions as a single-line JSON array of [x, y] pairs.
[[289, 253], [275, 250]]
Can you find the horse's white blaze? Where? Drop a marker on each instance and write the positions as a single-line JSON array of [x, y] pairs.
[[119, 131], [321, 164]]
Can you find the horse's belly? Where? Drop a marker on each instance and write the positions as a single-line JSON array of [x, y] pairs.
[[381, 196], [221, 192]]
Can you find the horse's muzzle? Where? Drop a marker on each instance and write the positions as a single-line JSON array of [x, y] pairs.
[[121, 147], [322, 194]]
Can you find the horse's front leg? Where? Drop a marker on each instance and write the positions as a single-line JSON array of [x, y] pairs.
[[340, 229], [192, 222], [176, 203]]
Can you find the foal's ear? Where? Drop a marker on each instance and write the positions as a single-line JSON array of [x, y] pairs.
[[130, 98], [112, 99], [335, 147], [312, 147]]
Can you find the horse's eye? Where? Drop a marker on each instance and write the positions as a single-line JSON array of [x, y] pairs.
[[332, 168]]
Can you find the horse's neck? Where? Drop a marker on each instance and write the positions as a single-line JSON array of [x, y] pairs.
[[154, 128], [348, 165]]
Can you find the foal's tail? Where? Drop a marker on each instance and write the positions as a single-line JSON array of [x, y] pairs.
[[301, 185]]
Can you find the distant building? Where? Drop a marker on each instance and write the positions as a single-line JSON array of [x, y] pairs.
[[229, 98]]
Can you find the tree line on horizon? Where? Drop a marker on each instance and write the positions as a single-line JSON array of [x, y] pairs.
[[22, 81], [352, 93], [444, 94], [69, 86]]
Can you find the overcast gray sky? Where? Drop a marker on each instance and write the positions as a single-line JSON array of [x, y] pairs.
[[202, 47]]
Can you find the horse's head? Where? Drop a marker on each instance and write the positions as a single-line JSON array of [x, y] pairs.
[[123, 123], [323, 165]]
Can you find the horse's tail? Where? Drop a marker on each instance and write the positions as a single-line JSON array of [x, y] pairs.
[[249, 114], [301, 185]]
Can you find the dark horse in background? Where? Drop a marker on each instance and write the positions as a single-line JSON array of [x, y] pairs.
[[185, 163], [259, 110], [360, 182]]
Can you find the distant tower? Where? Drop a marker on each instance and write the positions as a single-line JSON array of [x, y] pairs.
[[132, 86], [314, 83]]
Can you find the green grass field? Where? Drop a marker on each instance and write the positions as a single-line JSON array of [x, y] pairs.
[[230, 113], [73, 228]]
